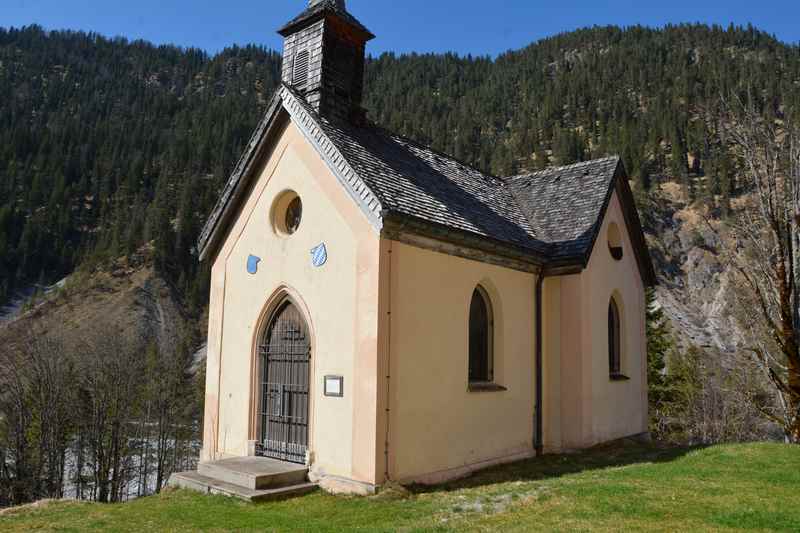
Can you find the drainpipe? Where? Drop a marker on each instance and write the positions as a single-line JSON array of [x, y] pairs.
[[386, 477], [537, 431]]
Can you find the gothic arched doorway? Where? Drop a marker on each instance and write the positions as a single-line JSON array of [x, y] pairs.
[[285, 352]]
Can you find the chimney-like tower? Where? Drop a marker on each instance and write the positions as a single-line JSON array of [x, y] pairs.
[[323, 58]]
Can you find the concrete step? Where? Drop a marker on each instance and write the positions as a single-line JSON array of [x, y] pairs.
[[255, 473], [198, 482]]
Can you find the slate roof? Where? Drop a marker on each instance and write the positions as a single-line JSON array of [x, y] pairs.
[[318, 11], [563, 204], [551, 216], [414, 180]]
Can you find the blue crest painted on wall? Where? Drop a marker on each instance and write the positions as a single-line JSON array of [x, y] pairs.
[[252, 264], [319, 255]]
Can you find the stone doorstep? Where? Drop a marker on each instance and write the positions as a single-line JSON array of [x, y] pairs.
[[198, 482], [255, 473]]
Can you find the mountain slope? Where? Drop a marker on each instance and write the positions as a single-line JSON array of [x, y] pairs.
[[129, 297], [107, 144]]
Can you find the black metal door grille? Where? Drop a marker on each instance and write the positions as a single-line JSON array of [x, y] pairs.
[[285, 363]]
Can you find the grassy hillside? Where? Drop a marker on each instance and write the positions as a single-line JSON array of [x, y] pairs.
[[721, 488]]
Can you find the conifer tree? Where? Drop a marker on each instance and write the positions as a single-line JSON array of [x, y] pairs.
[[92, 172], [659, 346]]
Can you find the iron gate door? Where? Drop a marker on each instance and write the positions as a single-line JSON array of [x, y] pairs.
[[285, 363]]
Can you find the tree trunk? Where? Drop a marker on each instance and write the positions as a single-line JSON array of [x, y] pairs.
[[162, 449], [115, 461], [794, 401], [79, 466]]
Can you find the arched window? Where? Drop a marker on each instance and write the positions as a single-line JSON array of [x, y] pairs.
[[614, 357], [480, 337]]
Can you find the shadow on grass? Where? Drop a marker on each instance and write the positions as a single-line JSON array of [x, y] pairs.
[[619, 453]]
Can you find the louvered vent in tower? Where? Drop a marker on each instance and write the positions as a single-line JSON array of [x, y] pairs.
[[300, 69]]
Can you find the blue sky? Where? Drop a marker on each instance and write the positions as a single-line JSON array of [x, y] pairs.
[[466, 26]]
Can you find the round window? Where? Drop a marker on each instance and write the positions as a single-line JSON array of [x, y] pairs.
[[293, 215], [614, 241], [287, 213]]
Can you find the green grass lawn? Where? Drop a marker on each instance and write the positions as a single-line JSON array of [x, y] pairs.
[[631, 487]]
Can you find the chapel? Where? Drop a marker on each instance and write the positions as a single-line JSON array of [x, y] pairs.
[[381, 311]]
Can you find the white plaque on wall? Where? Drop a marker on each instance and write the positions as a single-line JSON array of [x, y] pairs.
[[334, 386]]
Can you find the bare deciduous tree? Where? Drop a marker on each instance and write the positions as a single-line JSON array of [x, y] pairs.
[[111, 386], [167, 410], [764, 249], [94, 415], [37, 384], [52, 382], [4, 500], [18, 487]]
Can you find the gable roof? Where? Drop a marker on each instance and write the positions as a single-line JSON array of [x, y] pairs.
[[566, 206], [541, 219], [564, 203]]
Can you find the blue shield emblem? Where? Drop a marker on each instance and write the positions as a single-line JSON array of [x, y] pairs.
[[252, 264], [319, 255]]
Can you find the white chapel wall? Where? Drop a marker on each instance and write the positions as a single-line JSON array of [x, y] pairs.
[[340, 300], [437, 426]]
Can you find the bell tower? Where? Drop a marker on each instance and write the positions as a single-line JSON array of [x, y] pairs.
[[323, 58]]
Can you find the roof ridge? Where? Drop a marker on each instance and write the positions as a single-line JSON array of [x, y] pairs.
[[561, 168]]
